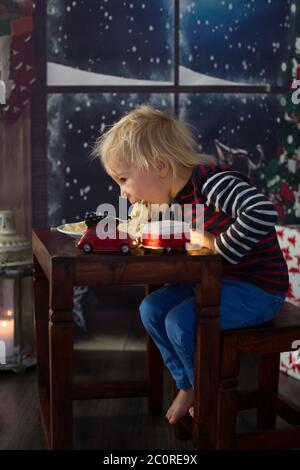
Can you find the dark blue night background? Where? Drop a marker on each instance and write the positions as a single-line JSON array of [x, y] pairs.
[[239, 121], [124, 38], [247, 41]]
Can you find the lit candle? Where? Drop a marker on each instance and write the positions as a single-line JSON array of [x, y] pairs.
[[7, 334]]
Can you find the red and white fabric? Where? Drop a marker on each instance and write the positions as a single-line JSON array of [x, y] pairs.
[[289, 241]]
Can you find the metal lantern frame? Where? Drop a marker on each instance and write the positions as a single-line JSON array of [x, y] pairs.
[[23, 350]]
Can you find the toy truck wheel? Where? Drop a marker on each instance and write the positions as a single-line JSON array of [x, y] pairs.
[[124, 248], [87, 248]]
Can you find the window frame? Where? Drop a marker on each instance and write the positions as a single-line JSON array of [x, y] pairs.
[[41, 91]]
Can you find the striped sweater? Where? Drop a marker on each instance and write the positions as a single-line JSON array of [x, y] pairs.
[[243, 221]]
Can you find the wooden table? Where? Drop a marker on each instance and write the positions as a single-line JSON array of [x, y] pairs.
[[58, 267]]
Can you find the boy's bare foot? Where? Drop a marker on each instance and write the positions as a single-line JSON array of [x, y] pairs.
[[191, 411], [180, 405]]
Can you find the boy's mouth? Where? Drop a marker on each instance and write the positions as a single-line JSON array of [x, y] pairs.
[[135, 201]]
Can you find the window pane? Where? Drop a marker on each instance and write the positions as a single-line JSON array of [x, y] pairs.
[[76, 184], [256, 134], [110, 42], [236, 42]]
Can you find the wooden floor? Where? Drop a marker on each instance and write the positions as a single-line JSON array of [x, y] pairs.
[[112, 348], [98, 424]]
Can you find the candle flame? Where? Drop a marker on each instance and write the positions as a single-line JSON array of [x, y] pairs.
[[4, 324], [9, 313]]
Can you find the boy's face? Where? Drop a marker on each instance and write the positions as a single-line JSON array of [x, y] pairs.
[[153, 186]]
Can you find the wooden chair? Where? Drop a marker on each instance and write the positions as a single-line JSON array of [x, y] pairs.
[[216, 407]]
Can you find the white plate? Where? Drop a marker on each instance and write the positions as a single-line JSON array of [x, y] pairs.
[[61, 228], [66, 231]]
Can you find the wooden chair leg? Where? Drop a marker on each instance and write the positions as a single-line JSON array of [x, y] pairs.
[[228, 394], [268, 377], [207, 359]]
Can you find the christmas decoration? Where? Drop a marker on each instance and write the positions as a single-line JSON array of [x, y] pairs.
[[289, 241], [290, 363], [241, 159], [17, 57], [283, 173]]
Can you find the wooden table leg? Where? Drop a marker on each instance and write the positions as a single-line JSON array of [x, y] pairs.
[[61, 359], [41, 312], [207, 357]]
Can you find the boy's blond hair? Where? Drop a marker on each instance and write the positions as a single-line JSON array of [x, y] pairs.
[[146, 133]]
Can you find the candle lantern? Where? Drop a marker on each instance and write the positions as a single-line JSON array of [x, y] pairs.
[[16, 312]]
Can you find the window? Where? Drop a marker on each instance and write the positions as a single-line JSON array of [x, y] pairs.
[[222, 66]]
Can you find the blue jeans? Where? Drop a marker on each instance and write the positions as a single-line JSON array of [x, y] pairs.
[[168, 314]]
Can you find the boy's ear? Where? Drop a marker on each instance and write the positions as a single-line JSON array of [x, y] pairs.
[[162, 165]]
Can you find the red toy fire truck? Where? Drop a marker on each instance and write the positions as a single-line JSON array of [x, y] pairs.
[[165, 235], [162, 235], [90, 240]]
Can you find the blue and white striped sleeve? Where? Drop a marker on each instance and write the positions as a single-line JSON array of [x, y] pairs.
[[255, 215]]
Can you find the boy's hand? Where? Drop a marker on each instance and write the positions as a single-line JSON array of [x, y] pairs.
[[203, 240]]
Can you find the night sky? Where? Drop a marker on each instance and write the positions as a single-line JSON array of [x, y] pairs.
[[114, 37], [239, 121], [77, 184], [249, 41]]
